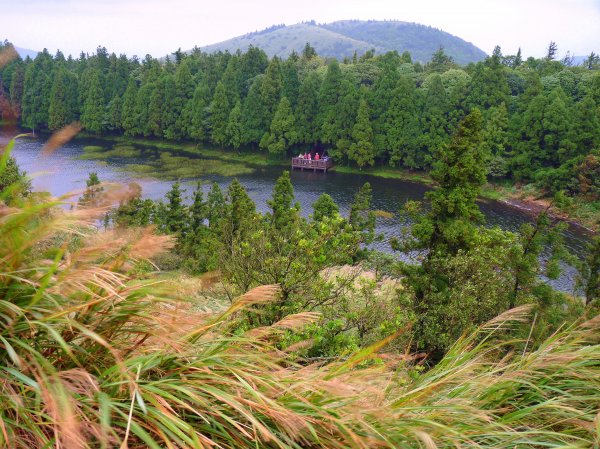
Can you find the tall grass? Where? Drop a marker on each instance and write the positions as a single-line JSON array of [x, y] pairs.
[[92, 357]]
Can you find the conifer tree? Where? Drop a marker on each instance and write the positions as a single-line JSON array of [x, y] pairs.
[[128, 110], [495, 140], [362, 150], [195, 113], [241, 211], [253, 114], [324, 207], [198, 210], [307, 109], [92, 116], [460, 171], [433, 121], [219, 115], [176, 214], [93, 190], [234, 127], [270, 89], [58, 113], [284, 211], [215, 207], [402, 127], [362, 218], [585, 132], [282, 133]]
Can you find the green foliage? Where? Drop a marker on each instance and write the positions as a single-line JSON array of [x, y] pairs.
[[282, 131], [92, 114], [362, 150], [94, 189], [14, 183], [285, 213], [325, 207]]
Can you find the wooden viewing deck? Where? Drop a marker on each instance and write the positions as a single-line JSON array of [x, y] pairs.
[[312, 164]]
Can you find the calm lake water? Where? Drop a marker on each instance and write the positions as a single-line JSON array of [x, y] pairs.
[[64, 171]]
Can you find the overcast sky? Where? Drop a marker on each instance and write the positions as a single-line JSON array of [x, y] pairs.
[[159, 27]]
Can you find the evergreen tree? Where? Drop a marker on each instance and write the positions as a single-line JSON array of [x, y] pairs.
[[557, 123], [92, 115], [37, 85], [362, 218], [284, 211], [234, 127], [380, 103], [585, 132], [290, 83], [270, 90], [282, 133], [433, 121], [58, 111], [219, 115], [324, 207], [196, 113], [176, 221], [495, 140], [489, 86], [92, 192], [128, 109], [307, 109], [253, 114], [215, 206], [241, 212], [329, 96], [362, 150], [402, 127], [460, 171], [198, 210]]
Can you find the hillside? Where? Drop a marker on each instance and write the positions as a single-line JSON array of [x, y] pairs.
[[341, 39], [24, 52]]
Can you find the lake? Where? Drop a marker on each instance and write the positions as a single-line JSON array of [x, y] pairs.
[[65, 171]]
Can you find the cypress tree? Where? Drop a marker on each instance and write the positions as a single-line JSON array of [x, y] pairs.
[[234, 126], [92, 116], [128, 109], [362, 150], [284, 211], [219, 115], [176, 221], [324, 207], [307, 109], [282, 133], [58, 114]]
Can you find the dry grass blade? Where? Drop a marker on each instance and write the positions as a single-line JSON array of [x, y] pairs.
[[59, 138], [297, 321], [7, 54]]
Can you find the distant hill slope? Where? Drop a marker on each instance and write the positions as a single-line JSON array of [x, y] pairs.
[[24, 52], [343, 38]]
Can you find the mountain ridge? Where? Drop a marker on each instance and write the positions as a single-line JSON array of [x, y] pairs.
[[342, 38]]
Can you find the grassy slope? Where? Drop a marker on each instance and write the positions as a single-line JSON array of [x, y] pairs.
[[341, 39], [421, 41]]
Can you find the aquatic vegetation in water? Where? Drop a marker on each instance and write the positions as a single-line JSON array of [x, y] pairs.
[[164, 164]]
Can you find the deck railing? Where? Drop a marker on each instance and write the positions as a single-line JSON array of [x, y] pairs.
[[312, 164]]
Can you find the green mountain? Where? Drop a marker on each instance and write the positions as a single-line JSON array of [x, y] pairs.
[[343, 38]]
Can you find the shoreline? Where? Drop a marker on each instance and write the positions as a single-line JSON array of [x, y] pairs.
[[530, 202]]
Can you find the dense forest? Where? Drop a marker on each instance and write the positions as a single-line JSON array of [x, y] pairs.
[[541, 116]]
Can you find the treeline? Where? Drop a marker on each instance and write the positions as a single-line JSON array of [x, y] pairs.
[[541, 116]]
